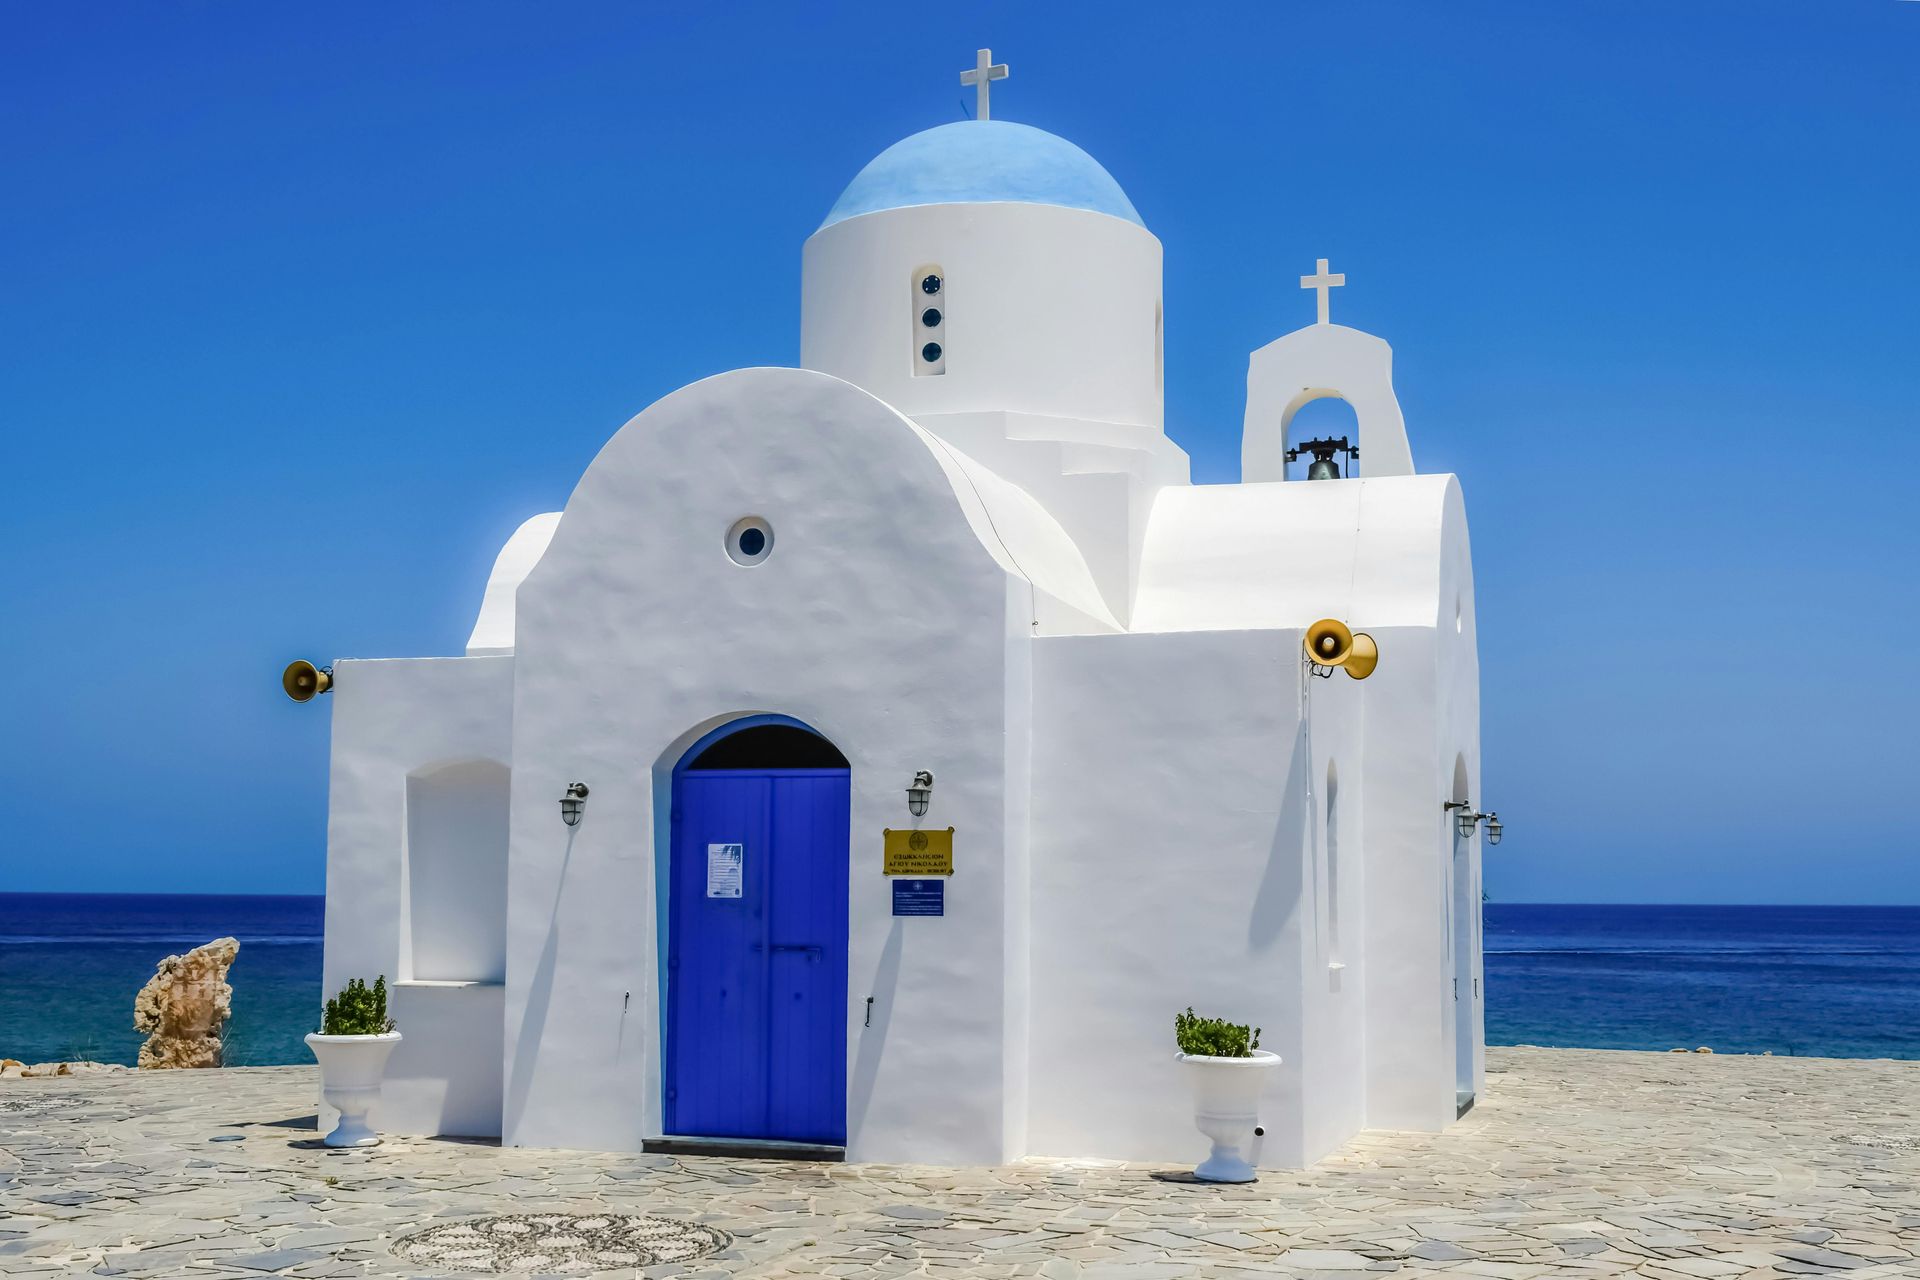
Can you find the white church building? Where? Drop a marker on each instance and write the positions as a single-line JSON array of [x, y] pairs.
[[954, 551]]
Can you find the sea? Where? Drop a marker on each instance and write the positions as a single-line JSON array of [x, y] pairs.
[[71, 964], [1822, 981], [1830, 982]]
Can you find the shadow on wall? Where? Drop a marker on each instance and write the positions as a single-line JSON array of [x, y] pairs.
[[533, 1019], [873, 1039], [1279, 892]]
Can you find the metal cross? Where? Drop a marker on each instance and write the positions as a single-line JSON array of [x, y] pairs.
[[984, 73], [1322, 282]]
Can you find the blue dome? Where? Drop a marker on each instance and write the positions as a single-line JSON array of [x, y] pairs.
[[982, 162]]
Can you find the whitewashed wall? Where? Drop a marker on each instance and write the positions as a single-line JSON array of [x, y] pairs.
[[1333, 989], [396, 720], [879, 619], [1433, 686], [1166, 874], [1458, 679]]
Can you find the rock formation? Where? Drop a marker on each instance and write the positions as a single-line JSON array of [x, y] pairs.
[[184, 1007], [14, 1069]]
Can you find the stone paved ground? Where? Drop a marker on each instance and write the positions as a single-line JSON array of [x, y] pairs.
[[1577, 1163]]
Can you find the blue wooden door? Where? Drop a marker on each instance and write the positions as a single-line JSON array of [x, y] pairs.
[[757, 955]]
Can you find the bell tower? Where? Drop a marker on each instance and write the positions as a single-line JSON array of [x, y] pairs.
[[1320, 361]]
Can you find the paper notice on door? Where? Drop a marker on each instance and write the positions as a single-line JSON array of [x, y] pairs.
[[725, 875]]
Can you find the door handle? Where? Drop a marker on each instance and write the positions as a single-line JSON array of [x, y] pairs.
[[812, 949]]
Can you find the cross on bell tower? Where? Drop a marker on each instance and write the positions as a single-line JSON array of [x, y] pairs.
[[984, 73], [1320, 282]]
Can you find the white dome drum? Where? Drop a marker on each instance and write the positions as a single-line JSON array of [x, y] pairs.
[[987, 266]]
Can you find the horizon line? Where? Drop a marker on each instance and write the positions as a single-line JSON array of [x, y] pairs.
[[1490, 902]]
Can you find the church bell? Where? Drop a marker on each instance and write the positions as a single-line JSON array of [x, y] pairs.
[[1323, 467]]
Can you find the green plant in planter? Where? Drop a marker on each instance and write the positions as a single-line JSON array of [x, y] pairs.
[[358, 1010], [1213, 1037]]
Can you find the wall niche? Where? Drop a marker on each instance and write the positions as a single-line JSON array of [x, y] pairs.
[[455, 873]]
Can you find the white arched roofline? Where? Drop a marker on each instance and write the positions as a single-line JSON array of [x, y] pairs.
[[493, 628], [1012, 527]]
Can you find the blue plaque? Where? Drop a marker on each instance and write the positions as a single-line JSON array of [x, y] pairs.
[[920, 897]]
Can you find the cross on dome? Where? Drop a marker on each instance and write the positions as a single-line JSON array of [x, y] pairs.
[[1320, 283], [985, 72]]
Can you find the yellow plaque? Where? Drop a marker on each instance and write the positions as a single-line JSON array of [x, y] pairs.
[[919, 853]]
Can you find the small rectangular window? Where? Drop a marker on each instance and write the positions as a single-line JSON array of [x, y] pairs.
[[928, 319]]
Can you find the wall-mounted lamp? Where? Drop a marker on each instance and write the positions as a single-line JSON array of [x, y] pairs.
[[1466, 818], [573, 803], [920, 793]]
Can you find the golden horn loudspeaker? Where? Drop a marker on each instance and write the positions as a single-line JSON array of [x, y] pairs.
[[302, 680], [1364, 657], [1329, 642]]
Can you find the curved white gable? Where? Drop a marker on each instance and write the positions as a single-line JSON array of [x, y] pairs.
[[493, 628], [1027, 542], [767, 414]]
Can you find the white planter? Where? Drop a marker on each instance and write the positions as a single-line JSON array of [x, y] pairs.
[[1226, 1107], [350, 1072]]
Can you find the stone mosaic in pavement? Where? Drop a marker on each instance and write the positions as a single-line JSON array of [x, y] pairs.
[[559, 1243], [1575, 1164]]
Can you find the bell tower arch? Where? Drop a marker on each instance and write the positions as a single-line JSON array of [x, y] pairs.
[[1320, 361]]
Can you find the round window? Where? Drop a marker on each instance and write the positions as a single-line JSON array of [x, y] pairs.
[[930, 317], [930, 285], [930, 352], [750, 540]]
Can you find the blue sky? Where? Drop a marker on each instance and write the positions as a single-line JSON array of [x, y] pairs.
[[304, 311]]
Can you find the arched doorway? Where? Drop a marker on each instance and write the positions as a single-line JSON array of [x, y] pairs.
[[756, 1026], [1462, 927]]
